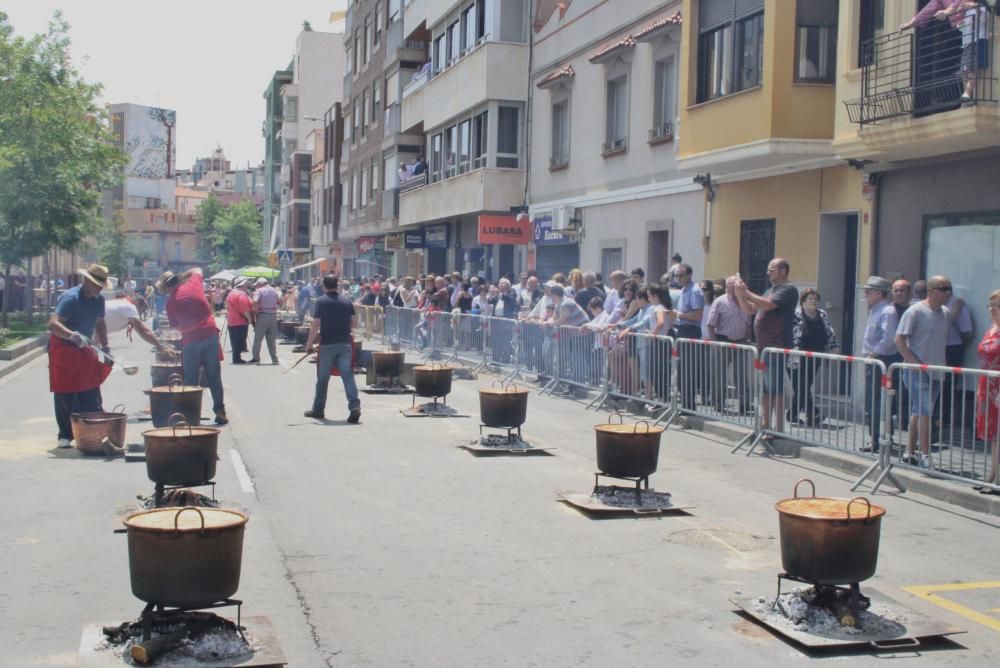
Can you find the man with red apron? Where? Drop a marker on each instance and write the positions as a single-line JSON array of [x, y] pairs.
[[75, 372], [189, 311]]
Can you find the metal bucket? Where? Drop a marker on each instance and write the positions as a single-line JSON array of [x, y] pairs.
[[433, 380], [160, 373], [89, 429], [626, 451], [181, 454], [503, 407], [388, 364]]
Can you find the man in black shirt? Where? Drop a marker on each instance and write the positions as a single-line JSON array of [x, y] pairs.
[[333, 319]]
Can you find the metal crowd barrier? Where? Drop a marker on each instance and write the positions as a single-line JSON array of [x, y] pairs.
[[535, 352], [580, 360], [639, 369], [501, 347]]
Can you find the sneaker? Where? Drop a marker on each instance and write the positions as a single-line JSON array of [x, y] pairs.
[[355, 416], [318, 415], [254, 361], [924, 461], [220, 417], [651, 408], [64, 443], [909, 459], [239, 361]]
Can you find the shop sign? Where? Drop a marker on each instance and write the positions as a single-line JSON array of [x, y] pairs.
[[413, 239], [394, 242], [436, 236], [544, 235], [366, 244], [507, 230]]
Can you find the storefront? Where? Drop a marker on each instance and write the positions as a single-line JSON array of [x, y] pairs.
[[436, 245], [555, 251]]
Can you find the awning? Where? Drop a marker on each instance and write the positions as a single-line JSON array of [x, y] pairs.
[[320, 261]]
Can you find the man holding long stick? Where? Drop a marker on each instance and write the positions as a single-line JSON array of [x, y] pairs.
[[333, 320]]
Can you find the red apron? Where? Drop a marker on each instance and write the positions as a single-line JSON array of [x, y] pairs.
[[73, 369]]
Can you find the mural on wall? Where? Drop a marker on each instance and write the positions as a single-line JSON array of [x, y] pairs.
[[150, 143]]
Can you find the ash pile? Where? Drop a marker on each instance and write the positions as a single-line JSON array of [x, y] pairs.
[[178, 498], [823, 611], [627, 498], [185, 637]]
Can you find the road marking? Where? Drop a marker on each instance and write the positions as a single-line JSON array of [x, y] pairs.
[[246, 484], [929, 593]]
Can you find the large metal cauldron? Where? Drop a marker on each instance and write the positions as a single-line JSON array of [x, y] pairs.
[[89, 429], [160, 374], [433, 380], [388, 364], [302, 334], [175, 398], [181, 454], [287, 328], [829, 541], [185, 557], [626, 450], [503, 407]]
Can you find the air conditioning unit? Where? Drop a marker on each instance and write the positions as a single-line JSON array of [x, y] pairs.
[[563, 218]]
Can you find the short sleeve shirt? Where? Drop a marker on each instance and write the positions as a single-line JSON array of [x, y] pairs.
[[774, 328], [117, 313], [571, 314], [334, 312], [926, 331], [79, 313]]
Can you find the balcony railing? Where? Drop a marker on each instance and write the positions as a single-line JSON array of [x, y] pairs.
[[413, 183], [934, 68]]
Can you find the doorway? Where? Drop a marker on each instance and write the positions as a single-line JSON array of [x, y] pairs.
[[836, 276], [658, 256]]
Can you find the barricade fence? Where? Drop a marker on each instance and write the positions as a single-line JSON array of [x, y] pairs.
[[851, 404]]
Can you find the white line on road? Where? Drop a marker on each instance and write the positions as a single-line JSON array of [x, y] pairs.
[[246, 484]]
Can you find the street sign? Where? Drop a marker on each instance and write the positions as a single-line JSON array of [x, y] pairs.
[[285, 256]]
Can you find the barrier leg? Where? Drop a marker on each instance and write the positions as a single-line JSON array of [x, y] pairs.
[[883, 462]]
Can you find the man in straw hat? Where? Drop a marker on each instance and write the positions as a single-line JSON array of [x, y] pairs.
[[75, 372], [189, 311]]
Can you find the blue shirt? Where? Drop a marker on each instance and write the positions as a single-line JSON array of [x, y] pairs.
[[79, 313]]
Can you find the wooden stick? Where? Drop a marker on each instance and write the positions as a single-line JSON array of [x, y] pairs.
[[297, 362]]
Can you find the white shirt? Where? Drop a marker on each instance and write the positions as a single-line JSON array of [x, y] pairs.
[[611, 301], [117, 312]]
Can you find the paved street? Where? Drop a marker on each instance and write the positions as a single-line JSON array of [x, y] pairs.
[[384, 545]]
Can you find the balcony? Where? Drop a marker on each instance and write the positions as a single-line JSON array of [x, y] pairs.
[[393, 117], [397, 48], [491, 71], [922, 93], [390, 203], [479, 190]]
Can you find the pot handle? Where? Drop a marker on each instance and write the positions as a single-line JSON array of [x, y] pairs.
[[173, 381], [620, 418], [867, 503], [497, 382], [510, 388], [200, 514], [117, 406], [635, 427], [902, 643], [795, 490], [647, 511]]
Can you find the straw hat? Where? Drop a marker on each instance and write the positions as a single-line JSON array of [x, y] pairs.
[[97, 274], [165, 280]]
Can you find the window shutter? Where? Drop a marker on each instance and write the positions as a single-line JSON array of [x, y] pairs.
[[816, 12], [746, 8], [714, 13]]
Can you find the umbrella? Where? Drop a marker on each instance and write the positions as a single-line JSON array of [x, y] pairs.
[[224, 275], [257, 272]]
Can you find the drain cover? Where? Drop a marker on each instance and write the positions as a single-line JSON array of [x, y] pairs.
[[741, 541]]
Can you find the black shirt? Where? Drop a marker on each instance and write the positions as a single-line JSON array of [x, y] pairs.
[[334, 312], [584, 296]]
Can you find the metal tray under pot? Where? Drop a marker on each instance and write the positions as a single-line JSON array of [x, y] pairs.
[[829, 541], [181, 454], [627, 450], [185, 557]]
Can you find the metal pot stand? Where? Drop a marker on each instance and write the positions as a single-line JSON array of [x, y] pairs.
[[663, 502], [498, 443]]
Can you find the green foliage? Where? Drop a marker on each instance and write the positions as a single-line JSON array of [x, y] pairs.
[[112, 246], [56, 153], [208, 211], [236, 237]]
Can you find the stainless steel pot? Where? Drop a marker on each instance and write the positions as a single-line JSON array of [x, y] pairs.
[[503, 407], [187, 557], [433, 380], [89, 429], [829, 541], [625, 450], [181, 454]]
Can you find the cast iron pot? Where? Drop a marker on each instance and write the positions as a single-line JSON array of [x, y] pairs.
[[504, 406], [185, 557], [388, 364], [175, 398], [89, 429], [181, 454], [302, 334], [160, 374], [287, 328], [829, 541], [433, 380], [626, 450]]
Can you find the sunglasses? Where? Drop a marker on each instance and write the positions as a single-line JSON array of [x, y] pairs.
[[943, 288]]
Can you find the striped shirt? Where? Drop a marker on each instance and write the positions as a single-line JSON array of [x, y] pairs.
[[729, 320]]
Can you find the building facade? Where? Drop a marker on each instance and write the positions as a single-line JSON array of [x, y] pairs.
[[274, 116]]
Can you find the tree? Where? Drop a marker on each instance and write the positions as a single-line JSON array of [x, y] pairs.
[[56, 152], [113, 247], [237, 235], [208, 211]]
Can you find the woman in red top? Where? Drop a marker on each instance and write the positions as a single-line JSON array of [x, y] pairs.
[[189, 312], [988, 393]]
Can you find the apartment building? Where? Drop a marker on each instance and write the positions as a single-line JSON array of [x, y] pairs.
[[271, 130], [606, 192], [379, 63], [465, 102], [928, 153], [758, 101]]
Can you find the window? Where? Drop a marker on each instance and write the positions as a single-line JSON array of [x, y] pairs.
[[663, 100], [358, 51], [375, 169], [756, 250], [376, 100], [177, 251], [352, 196], [364, 186], [463, 146], [469, 24], [508, 132], [872, 24], [450, 151], [350, 58], [357, 121], [292, 109], [378, 23], [480, 130], [730, 46], [560, 135], [440, 54], [616, 115], [365, 106], [612, 259], [454, 42], [815, 40], [436, 151], [368, 41]]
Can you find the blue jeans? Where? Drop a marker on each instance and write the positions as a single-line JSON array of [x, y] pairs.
[[335, 355], [205, 354]]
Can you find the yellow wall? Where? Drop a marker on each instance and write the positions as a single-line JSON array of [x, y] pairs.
[[778, 108], [795, 202]]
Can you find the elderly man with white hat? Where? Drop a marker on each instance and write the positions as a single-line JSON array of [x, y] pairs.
[[75, 371], [239, 317], [266, 301]]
